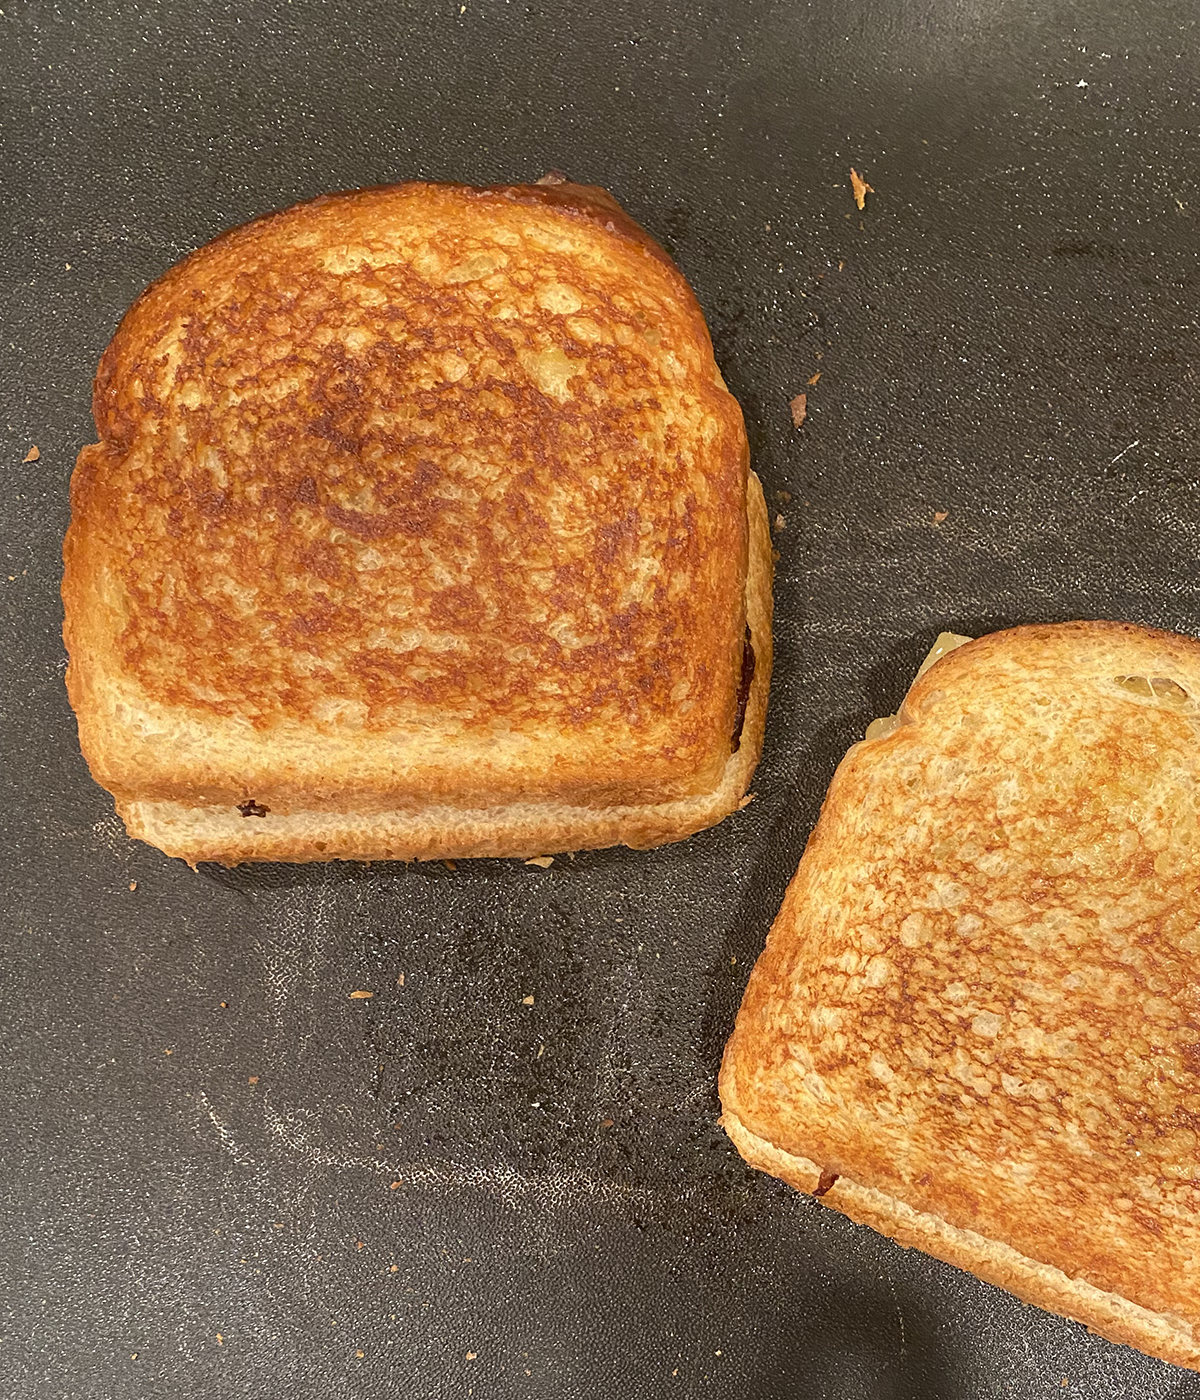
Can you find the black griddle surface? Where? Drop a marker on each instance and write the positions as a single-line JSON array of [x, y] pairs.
[[200, 1130]]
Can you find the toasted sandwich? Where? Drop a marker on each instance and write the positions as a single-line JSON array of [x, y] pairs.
[[976, 1024], [420, 525]]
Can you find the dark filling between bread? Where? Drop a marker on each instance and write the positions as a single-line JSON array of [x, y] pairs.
[[743, 698], [827, 1180]]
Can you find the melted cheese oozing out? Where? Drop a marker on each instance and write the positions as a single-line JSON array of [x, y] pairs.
[[947, 641]]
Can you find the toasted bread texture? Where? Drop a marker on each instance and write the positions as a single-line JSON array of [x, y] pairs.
[[420, 524], [976, 1024]]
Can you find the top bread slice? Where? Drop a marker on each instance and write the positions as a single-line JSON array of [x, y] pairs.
[[976, 1024], [420, 524]]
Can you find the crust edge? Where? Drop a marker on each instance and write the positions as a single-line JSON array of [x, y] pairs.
[[1109, 1315]]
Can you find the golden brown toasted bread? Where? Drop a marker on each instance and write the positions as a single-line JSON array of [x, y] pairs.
[[976, 1024], [420, 524]]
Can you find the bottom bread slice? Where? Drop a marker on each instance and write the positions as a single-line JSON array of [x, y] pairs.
[[1109, 1314], [225, 835]]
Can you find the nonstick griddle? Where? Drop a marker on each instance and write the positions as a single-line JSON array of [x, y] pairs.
[[222, 1175]]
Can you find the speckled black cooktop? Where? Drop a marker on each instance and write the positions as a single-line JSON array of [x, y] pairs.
[[501, 1175]]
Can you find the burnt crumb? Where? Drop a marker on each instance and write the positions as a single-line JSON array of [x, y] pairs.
[[826, 1181], [743, 697], [250, 808]]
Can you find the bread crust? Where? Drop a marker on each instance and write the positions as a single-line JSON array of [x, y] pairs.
[[1109, 1315], [972, 1026], [414, 504]]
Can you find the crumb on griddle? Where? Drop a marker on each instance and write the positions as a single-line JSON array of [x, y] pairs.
[[860, 187], [799, 407], [32, 455]]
